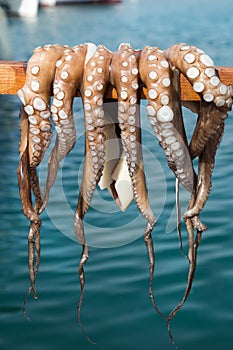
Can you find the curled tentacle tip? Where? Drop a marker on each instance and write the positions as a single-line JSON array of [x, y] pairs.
[[196, 222], [198, 225], [92, 341]]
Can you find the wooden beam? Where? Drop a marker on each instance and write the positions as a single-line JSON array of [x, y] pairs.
[[12, 78]]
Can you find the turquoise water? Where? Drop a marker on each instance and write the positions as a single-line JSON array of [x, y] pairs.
[[117, 312]]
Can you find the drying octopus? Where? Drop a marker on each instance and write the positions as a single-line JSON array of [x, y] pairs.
[[88, 70]]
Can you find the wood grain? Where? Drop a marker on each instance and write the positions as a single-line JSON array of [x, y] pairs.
[[12, 78]]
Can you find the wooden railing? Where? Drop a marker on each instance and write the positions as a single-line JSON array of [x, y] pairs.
[[12, 78]]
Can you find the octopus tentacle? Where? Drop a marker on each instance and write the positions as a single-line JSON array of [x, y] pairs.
[[165, 115], [178, 216], [209, 118], [35, 187], [124, 76], [95, 81], [34, 232], [35, 96], [35, 138], [179, 125], [67, 81], [83, 260], [28, 181], [198, 200], [206, 166], [193, 243], [32, 266], [164, 112], [23, 171], [199, 69], [125, 79]]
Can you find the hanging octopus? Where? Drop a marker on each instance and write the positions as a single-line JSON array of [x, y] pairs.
[[88, 71]]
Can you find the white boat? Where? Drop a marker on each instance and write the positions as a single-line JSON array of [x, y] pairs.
[[73, 2], [24, 8], [5, 48], [29, 8], [48, 2]]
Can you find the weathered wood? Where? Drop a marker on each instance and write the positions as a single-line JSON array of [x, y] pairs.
[[12, 78]]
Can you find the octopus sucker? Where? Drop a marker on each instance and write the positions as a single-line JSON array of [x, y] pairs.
[[113, 144]]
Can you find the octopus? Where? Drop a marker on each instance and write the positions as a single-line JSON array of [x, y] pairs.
[[88, 71]]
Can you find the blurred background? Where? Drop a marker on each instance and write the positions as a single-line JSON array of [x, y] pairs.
[[116, 312]]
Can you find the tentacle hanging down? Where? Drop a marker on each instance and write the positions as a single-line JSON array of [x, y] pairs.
[[26, 181], [124, 76], [179, 125], [164, 112], [95, 81], [205, 170], [206, 165], [34, 232], [23, 171], [165, 115], [193, 244], [209, 119], [67, 81], [35, 138]]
